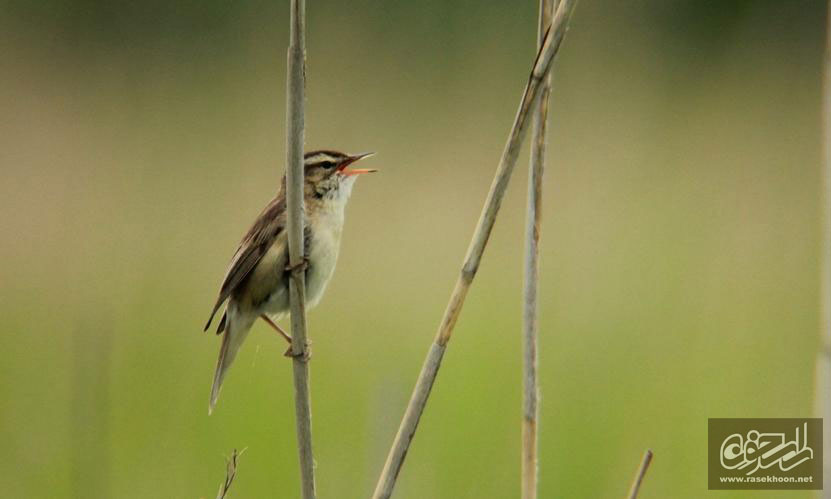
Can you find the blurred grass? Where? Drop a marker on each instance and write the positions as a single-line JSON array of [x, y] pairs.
[[679, 242]]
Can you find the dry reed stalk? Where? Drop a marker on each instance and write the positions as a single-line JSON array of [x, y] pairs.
[[530, 410], [295, 122], [636, 483], [822, 384], [421, 392]]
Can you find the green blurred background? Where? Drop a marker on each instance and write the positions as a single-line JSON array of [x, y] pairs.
[[679, 260]]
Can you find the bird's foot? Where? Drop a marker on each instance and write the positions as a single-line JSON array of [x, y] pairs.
[[303, 265], [305, 355], [307, 352]]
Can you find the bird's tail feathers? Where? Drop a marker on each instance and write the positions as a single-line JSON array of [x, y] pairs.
[[233, 337]]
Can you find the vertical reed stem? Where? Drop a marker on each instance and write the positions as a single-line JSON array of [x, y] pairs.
[[430, 368], [530, 411], [823, 367], [295, 123]]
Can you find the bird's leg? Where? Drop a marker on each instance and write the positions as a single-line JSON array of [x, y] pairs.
[[288, 353], [276, 328]]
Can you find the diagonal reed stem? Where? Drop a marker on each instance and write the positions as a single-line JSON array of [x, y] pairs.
[[635, 489], [295, 123], [418, 400], [530, 410]]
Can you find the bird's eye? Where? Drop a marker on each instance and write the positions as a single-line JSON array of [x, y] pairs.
[[328, 164]]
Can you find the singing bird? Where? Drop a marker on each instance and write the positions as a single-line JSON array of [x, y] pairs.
[[256, 282]]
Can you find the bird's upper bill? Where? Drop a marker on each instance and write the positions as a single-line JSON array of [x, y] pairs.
[[352, 159]]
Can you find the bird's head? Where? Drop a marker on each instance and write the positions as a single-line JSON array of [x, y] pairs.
[[327, 173]]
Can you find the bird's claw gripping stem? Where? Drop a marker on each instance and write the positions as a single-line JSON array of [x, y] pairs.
[[304, 356], [304, 264]]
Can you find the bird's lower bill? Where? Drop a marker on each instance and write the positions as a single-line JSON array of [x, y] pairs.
[[357, 171]]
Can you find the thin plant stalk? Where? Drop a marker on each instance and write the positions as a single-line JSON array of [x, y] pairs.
[[230, 474], [295, 123], [530, 410], [823, 366], [635, 489], [432, 363]]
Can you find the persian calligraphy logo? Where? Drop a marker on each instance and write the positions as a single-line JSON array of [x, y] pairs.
[[757, 450], [765, 453]]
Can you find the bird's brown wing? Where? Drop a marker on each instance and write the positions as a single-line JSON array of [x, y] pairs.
[[254, 245]]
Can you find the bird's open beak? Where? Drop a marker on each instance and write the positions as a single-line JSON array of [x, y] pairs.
[[355, 171]]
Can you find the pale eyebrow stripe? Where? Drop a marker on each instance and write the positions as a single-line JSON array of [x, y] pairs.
[[319, 158]]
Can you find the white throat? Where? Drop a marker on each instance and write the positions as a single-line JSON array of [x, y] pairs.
[[340, 196]]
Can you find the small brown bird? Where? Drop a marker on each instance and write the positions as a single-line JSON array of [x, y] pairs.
[[256, 282]]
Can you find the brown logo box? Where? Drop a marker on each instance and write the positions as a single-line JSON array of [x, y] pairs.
[[764, 453]]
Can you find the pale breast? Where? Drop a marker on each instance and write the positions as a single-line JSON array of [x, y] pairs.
[[270, 274], [323, 255]]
